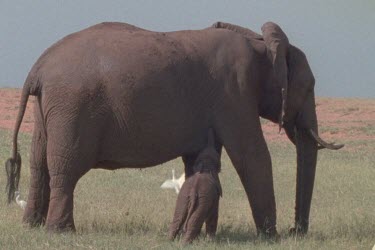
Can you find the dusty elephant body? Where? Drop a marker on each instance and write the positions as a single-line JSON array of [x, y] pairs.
[[198, 200], [114, 96]]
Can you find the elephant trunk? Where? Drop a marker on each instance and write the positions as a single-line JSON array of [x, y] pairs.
[[303, 132], [307, 150], [306, 165]]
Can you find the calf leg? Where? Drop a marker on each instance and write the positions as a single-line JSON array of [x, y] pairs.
[[196, 217], [179, 214], [211, 221]]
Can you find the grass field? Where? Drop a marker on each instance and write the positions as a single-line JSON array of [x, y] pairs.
[[126, 209]]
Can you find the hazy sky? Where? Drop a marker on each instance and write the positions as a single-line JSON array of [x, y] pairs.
[[337, 36]]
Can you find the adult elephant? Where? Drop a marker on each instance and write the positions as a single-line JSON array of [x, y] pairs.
[[114, 96]]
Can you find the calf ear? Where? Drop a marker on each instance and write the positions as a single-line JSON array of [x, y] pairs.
[[277, 44]]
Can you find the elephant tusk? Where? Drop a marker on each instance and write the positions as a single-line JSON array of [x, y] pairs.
[[324, 144]]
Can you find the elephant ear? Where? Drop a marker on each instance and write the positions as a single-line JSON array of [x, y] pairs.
[[277, 46]]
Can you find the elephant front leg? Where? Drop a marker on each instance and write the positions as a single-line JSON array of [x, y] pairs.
[[39, 191], [257, 181], [243, 140]]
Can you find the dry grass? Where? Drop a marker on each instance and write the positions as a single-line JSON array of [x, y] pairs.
[[126, 209]]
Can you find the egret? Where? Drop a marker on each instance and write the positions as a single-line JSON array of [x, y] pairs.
[[174, 183], [20, 202]]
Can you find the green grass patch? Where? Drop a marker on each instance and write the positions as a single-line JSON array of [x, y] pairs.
[[126, 209]]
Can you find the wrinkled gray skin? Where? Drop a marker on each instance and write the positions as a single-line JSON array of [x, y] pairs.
[[114, 96], [198, 200]]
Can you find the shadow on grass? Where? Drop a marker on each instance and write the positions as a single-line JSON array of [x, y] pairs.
[[356, 227], [355, 230], [124, 227], [228, 233]]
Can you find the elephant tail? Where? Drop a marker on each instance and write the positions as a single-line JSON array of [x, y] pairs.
[[13, 164]]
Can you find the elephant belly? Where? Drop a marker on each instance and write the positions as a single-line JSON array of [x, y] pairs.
[[153, 140], [134, 155]]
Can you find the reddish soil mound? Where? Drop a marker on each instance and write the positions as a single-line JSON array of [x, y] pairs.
[[342, 120], [9, 103]]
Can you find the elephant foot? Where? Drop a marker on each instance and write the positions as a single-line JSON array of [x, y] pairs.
[[186, 242], [299, 230], [34, 216], [171, 236], [174, 231], [61, 228], [270, 234], [189, 237], [210, 236], [33, 220]]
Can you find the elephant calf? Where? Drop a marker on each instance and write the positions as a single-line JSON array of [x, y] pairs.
[[198, 200]]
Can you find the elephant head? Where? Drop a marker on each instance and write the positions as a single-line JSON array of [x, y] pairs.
[[288, 98]]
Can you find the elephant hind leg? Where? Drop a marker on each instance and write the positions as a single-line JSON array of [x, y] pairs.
[[66, 166], [60, 214], [38, 200]]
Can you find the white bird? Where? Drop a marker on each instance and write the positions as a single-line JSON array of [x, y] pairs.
[[20, 202], [174, 183]]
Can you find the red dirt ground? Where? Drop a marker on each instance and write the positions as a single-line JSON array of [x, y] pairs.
[[340, 119]]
